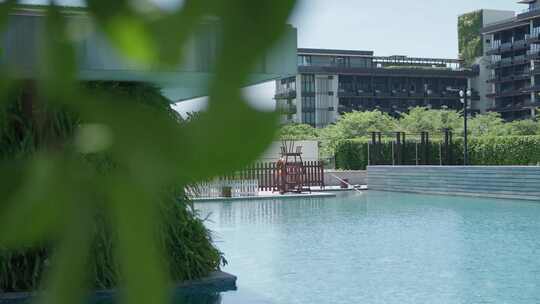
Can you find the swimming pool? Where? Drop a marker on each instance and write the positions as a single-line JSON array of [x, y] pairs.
[[380, 247]]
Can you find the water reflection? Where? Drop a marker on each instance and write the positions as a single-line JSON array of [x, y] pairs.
[[270, 212]]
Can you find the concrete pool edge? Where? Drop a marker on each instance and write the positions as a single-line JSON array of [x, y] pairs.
[[217, 281], [265, 197], [497, 182]]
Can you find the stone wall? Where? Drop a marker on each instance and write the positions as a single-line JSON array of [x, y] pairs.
[[511, 182]]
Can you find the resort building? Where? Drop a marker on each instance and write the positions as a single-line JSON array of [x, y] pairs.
[[513, 49], [332, 82]]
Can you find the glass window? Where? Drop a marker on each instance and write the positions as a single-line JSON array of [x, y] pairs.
[[304, 60]]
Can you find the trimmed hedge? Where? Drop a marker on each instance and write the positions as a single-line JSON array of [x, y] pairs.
[[352, 154]]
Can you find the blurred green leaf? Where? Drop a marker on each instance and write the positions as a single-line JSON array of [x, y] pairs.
[[140, 148], [138, 251], [67, 277], [127, 29], [5, 7], [58, 70], [39, 198]]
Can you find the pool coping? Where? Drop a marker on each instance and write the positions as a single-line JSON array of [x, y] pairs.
[[315, 194], [217, 281]]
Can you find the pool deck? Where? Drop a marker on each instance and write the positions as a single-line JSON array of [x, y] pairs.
[[316, 192]]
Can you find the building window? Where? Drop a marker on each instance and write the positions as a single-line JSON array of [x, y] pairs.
[[308, 83], [304, 60]]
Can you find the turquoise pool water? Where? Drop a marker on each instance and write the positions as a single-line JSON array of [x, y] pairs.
[[379, 247]]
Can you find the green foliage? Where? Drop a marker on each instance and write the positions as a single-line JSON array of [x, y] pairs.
[[469, 37], [361, 123], [298, 132], [352, 154], [488, 150], [52, 194], [505, 150], [181, 232], [489, 124], [420, 119], [524, 127]]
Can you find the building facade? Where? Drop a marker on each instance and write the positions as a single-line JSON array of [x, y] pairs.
[[472, 50], [514, 63], [332, 82]]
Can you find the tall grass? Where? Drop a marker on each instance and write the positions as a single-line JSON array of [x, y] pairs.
[[182, 234]]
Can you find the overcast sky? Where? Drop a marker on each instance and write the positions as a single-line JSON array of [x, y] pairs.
[[422, 28]]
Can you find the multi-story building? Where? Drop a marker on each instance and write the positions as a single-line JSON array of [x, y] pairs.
[[514, 50], [472, 50], [332, 82]]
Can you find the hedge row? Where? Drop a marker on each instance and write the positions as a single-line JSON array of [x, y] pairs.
[[508, 150]]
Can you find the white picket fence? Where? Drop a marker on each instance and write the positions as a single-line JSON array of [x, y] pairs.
[[214, 189]]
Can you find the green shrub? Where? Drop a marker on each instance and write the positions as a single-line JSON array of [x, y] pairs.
[[506, 150], [502, 150]]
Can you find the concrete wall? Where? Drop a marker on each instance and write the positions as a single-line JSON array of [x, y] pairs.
[[354, 177], [482, 181], [481, 85], [21, 51], [310, 150], [490, 16]]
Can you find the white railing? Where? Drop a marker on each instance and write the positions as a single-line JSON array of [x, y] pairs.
[[215, 188], [495, 44]]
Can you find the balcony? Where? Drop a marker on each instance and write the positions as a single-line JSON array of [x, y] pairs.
[[415, 94], [534, 36], [535, 71], [286, 109], [498, 48], [522, 76], [522, 59], [534, 88], [289, 94], [515, 106], [507, 46], [397, 93], [533, 53], [351, 93], [510, 93], [380, 93]]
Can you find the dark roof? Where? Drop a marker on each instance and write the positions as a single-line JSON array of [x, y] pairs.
[[334, 52]]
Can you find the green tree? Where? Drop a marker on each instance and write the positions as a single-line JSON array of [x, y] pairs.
[[524, 127], [357, 124], [488, 124], [354, 124], [421, 119], [297, 131]]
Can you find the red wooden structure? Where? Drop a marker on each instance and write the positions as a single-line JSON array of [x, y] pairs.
[[270, 177]]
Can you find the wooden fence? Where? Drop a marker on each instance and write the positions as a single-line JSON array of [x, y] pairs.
[[270, 178], [266, 176]]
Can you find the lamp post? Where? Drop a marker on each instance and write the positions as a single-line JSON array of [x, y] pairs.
[[464, 95]]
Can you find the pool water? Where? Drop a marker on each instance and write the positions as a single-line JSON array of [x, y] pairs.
[[379, 247]]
